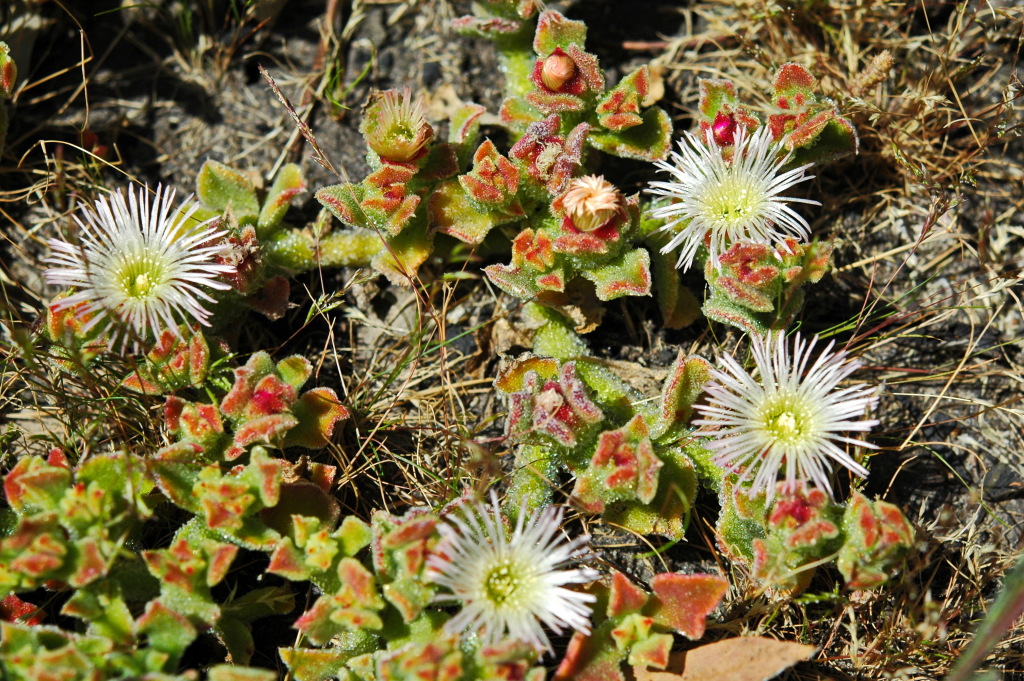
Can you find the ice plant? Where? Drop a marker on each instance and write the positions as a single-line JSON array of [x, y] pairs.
[[140, 265], [717, 199], [789, 418], [510, 584]]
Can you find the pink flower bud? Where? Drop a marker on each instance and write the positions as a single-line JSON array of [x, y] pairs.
[[558, 70], [724, 128]]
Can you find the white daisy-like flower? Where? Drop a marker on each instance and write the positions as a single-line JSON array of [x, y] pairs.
[[719, 201], [788, 418], [511, 585], [140, 265]]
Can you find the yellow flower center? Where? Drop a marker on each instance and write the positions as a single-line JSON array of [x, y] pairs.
[[501, 584]]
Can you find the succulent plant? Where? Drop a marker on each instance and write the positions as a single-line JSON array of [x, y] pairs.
[[783, 542], [629, 455]]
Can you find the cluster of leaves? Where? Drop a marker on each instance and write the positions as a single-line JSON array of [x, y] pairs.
[[625, 451], [782, 542], [79, 530], [557, 108], [756, 287], [636, 462]]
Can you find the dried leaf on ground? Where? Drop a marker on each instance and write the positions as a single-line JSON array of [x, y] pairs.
[[748, 658]]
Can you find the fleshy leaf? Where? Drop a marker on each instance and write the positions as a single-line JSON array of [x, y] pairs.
[[685, 601], [223, 188]]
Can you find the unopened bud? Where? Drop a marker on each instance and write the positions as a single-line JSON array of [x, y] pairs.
[[8, 71], [591, 201], [558, 70], [724, 130]]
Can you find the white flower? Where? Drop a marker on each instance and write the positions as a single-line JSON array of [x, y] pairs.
[[509, 585], [139, 267], [721, 201], [789, 418]]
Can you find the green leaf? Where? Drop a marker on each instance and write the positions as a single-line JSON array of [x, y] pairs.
[[287, 185], [222, 188]]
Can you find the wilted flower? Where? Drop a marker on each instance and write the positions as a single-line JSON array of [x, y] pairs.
[[395, 126], [139, 267], [510, 585], [591, 201], [719, 199], [789, 417]]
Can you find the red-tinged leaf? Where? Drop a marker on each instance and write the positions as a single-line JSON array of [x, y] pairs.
[[316, 412], [451, 212], [165, 629], [748, 658], [575, 242], [512, 372], [288, 561], [409, 596], [630, 630], [410, 531], [794, 86], [90, 565], [625, 597], [682, 388], [57, 457], [288, 183], [714, 94], [173, 408], [518, 114], [533, 249], [134, 381], [554, 31], [554, 102], [585, 660], [629, 275], [322, 475], [225, 504], [13, 609], [650, 140], [315, 664], [34, 485], [203, 423], [8, 72], [270, 396], [266, 430], [652, 651], [685, 601], [219, 559], [624, 467], [344, 201], [465, 123], [494, 180], [620, 108]]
